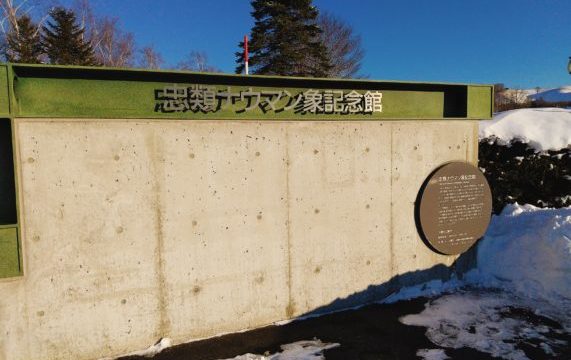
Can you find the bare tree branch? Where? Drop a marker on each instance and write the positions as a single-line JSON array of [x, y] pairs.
[[112, 46], [197, 61], [344, 47], [11, 11], [150, 58]]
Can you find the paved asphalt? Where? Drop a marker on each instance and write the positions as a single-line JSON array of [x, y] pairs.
[[372, 332]]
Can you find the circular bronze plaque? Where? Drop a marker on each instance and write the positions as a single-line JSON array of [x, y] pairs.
[[455, 207]]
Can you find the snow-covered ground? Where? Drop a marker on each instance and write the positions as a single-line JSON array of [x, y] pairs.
[[497, 323], [524, 267], [543, 128], [519, 296], [301, 350]]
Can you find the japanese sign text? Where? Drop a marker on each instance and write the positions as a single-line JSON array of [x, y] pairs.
[[209, 99]]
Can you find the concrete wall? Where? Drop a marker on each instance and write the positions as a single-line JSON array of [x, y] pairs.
[[133, 230]]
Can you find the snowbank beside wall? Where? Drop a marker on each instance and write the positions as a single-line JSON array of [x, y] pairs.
[[526, 157], [518, 301], [528, 249], [543, 128]]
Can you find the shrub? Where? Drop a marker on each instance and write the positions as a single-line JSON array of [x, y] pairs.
[[517, 173]]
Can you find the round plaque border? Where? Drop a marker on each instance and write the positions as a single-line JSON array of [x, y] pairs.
[[418, 201]]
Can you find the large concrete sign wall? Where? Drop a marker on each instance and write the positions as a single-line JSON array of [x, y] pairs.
[[135, 230], [141, 205]]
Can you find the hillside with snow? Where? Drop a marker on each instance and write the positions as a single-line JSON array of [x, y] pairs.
[[562, 94]]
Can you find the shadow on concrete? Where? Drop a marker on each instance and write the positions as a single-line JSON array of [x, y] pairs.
[[370, 332], [375, 293]]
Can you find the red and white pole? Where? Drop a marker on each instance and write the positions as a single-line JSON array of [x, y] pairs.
[[246, 55]]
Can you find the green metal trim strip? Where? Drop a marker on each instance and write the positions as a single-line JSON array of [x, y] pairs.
[[136, 73], [10, 259], [120, 99], [10, 245], [87, 92], [17, 198], [4, 92], [480, 102]]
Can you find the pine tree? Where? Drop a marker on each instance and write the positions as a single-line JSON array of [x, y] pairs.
[[285, 40], [23, 42], [63, 40]]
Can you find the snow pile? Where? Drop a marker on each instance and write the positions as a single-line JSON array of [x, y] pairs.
[[154, 349], [519, 296], [430, 289], [562, 94], [496, 323], [544, 129], [432, 354], [301, 350], [528, 250]]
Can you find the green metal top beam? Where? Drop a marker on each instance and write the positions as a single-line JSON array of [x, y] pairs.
[[94, 92]]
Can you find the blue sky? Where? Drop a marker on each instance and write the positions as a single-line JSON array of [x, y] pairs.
[[522, 43]]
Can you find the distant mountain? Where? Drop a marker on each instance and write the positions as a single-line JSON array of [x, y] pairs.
[[562, 94]]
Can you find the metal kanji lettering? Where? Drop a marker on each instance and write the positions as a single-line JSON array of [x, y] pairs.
[[353, 102], [373, 102], [253, 98], [333, 101], [293, 102], [173, 99], [271, 100], [312, 101], [207, 98], [202, 98], [227, 98]]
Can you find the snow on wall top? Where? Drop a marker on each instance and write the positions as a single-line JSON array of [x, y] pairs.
[[542, 128]]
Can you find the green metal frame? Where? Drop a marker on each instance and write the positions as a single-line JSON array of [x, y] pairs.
[[75, 92], [10, 259], [41, 91], [10, 244]]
